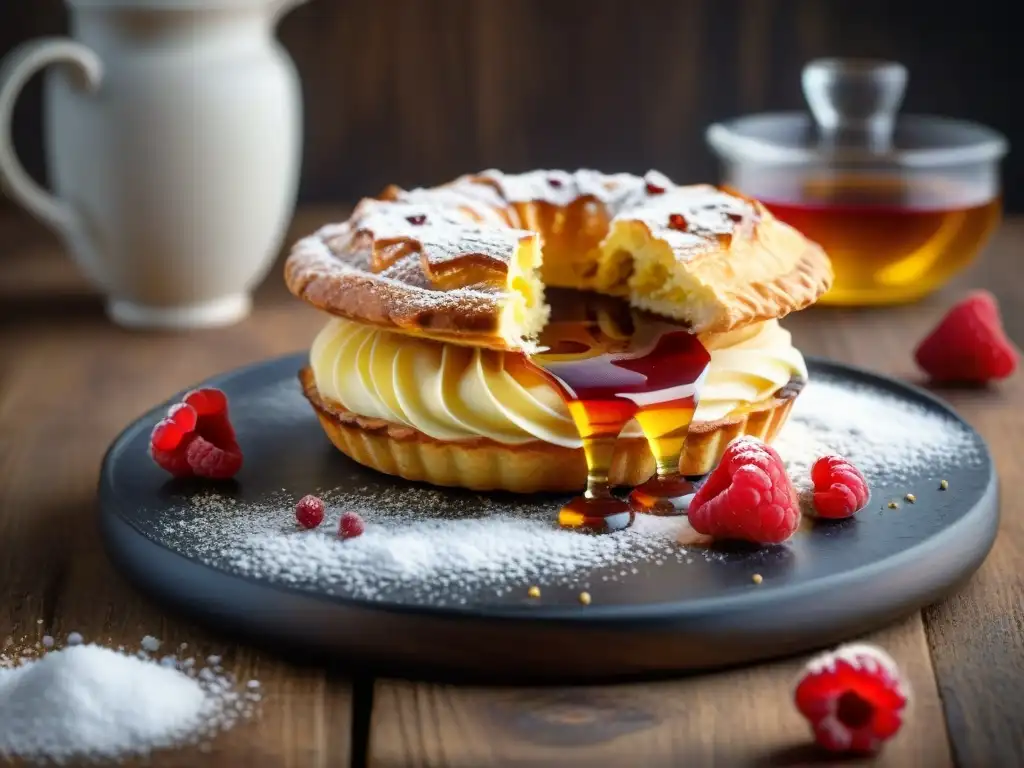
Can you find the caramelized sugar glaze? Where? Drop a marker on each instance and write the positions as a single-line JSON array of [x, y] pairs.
[[613, 364]]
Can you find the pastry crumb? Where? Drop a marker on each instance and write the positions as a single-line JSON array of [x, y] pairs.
[[533, 591], [911, 498], [943, 485], [585, 598], [893, 505], [757, 578]]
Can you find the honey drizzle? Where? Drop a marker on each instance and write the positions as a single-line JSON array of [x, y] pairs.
[[611, 365]]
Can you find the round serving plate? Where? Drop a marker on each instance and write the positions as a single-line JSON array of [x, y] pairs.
[[229, 554]]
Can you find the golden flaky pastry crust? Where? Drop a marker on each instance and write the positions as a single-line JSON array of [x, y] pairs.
[[485, 465], [458, 263]]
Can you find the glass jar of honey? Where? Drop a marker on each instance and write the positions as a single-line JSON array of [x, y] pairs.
[[901, 203]]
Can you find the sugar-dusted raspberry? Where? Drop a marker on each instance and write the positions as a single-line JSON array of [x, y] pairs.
[[309, 511], [840, 490], [350, 525], [853, 697], [747, 497]]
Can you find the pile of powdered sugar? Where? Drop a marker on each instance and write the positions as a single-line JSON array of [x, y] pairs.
[[417, 542], [86, 702], [440, 546]]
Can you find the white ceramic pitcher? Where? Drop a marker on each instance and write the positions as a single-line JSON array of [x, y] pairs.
[[173, 142]]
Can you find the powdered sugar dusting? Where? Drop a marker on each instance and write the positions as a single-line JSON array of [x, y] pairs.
[[885, 437], [416, 541], [392, 251], [436, 546]]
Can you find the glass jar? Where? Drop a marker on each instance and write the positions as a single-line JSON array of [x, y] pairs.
[[900, 203]]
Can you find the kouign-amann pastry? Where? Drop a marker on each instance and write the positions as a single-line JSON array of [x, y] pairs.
[[438, 298]]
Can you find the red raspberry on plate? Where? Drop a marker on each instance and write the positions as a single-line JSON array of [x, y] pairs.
[[211, 461], [840, 489], [853, 697], [747, 497], [211, 405], [350, 525], [168, 445], [969, 344], [196, 438], [309, 512]]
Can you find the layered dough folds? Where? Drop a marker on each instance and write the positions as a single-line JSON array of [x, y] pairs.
[[454, 393]]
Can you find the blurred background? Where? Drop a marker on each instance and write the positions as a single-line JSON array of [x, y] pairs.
[[416, 92]]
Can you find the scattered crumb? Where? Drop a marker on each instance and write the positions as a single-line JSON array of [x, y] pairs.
[[911, 498], [585, 598], [893, 505], [758, 578], [943, 485], [533, 591]]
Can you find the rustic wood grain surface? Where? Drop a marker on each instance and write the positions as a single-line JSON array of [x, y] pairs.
[[69, 381]]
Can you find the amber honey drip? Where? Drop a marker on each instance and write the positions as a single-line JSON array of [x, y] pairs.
[[890, 240], [613, 365]]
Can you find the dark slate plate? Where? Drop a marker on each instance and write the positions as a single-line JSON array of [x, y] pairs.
[[659, 616]]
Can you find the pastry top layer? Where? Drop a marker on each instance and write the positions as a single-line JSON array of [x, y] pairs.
[[460, 262]]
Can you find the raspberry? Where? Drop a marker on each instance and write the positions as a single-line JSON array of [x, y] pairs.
[[654, 189], [167, 435], [168, 442], [309, 511], [350, 525], [184, 415], [747, 497], [213, 423], [853, 697], [969, 344], [212, 461], [168, 447], [677, 221], [196, 438], [840, 489]]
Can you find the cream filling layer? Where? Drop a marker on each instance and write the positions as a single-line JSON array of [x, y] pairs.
[[456, 393]]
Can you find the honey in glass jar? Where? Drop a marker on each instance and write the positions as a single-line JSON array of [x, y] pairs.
[[901, 203]]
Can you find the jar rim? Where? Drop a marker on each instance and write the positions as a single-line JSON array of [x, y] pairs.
[[728, 141]]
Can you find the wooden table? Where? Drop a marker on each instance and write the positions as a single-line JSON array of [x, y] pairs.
[[69, 381]]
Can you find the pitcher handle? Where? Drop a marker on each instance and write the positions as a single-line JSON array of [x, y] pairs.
[[16, 70]]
